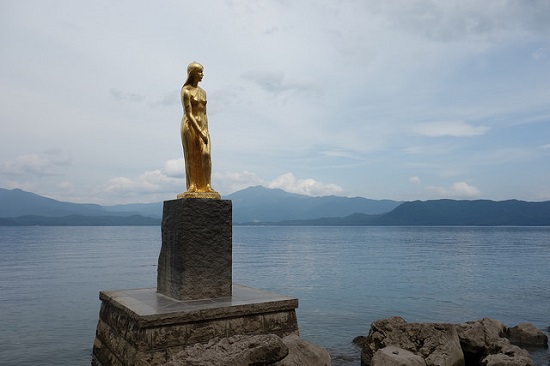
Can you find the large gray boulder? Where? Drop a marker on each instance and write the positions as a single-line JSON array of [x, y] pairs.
[[437, 344], [395, 356], [527, 335], [513, 356], [483, 342], [303, 353], [480, 336], [245, 350]]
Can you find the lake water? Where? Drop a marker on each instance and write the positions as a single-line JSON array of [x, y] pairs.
[[344, 277]]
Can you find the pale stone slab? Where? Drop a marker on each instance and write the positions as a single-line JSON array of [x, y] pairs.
[[149, 308], [195, 260]]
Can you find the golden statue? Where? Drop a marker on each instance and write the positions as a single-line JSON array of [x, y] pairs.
[[195, 137]]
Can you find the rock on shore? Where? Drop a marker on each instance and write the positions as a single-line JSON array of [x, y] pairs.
[[245, 350], [527, 335], [485, 342]]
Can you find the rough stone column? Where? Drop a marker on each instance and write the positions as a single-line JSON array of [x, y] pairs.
[[195, 260]]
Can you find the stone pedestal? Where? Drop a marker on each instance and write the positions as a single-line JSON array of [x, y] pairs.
[[142, 327], [195, 299], [196, 255]]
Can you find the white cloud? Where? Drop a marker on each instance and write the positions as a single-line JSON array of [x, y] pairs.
[[465, 19], [505, 155], [121, 184], [34, 165], [456, 190], [168, 99], [456, 129], [158, 184], [175, 168], [539, 54], [125, 96], [170, 179], [316, 98], [227, 183], [150, 186], [26, 164], [415, 180], [275, 82], [310, 187]]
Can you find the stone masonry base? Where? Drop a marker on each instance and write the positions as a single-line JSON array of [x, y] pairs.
[[142, 327]]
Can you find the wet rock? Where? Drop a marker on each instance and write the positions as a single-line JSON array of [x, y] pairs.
[[238, 350], [303, 353], [482, 342], [437, 344], [527, 335], [512, 356], [477, 337], [259, 350], [395, 356]]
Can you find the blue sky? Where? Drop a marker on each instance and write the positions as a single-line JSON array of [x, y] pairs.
[[403, 100]]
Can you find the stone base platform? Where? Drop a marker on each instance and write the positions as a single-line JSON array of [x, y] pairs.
[[143, 327]]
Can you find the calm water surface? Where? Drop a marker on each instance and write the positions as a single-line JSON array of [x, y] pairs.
[[344, 277]]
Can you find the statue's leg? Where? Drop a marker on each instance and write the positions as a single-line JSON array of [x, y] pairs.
[[187, 142]]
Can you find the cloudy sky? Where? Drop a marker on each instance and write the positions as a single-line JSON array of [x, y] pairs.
[[401, 99]]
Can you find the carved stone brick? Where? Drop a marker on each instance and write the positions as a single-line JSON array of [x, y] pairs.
[[195, 260]]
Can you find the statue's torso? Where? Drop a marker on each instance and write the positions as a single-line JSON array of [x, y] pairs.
[[197, 100]]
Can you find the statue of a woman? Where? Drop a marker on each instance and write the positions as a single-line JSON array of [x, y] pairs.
[[195, 137]]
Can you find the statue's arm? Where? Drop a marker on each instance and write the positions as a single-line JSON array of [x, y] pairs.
[[205, 116]]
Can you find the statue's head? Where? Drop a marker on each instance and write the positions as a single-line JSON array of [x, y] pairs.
[[194, 73], [194, 67]]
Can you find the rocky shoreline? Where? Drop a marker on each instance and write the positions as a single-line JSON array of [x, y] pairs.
[[390, 342], [487, 342], [245, 350]]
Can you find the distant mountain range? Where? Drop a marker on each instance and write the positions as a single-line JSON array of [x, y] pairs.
[[18, 207], [445, 213], [260, 204], [264, 206]]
